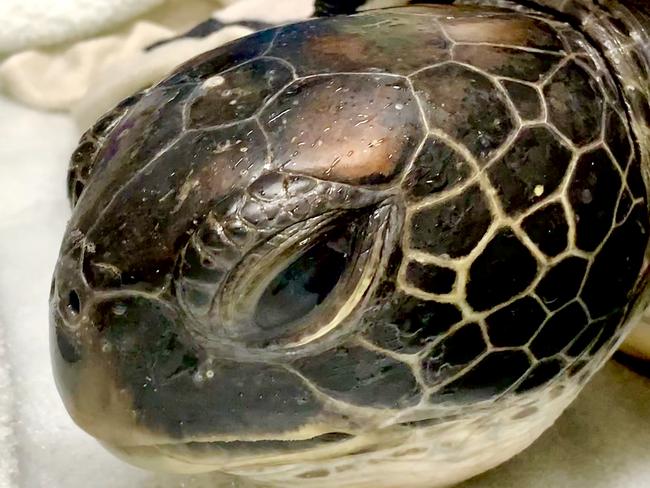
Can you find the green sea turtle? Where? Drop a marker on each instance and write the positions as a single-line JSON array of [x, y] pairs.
[[384, 249]]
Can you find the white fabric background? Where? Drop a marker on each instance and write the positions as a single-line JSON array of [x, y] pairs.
[[28, 23], [603, 441], [90, 77]]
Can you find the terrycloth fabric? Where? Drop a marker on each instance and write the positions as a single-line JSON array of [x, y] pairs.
[[31, 23], [90, 77], [102, 68], [8, 464]]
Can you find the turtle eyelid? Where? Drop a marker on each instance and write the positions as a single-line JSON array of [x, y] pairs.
[[304, 284]]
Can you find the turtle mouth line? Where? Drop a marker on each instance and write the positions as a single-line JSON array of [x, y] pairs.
[[233, 445], [249, 446], [266, 445]]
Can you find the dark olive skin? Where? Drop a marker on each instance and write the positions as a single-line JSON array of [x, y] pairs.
[[347, 224]]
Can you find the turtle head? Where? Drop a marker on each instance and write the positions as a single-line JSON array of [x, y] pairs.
[[204, 267], [302, 244], [204, 361]]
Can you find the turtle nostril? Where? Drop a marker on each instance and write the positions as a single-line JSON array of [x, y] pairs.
[[52, 287], [78, 189], [74, 303]]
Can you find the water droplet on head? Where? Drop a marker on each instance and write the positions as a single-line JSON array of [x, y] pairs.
[[223, 146], [119, 309], [214, 81]]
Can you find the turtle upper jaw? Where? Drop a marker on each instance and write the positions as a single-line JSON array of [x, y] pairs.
[[106, 412], [462, 448]]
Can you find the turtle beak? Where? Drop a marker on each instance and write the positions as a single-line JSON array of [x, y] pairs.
[[85, 377], [87, 380]]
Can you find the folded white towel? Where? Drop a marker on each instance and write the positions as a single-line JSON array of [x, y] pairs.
[[31, 23], [91, 76]]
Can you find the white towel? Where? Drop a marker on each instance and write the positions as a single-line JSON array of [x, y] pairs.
[[8, 464], [89, 77], [31, 23]]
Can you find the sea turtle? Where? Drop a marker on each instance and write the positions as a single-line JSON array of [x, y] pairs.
[[384, 249]]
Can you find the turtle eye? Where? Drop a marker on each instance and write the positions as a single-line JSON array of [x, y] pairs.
[[304, 284]]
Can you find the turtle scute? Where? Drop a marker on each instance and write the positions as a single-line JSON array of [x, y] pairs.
[[359, 129], [333, 237]]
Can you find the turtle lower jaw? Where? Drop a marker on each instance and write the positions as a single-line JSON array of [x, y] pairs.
[[151, 459], [199, 457], [160, 458]]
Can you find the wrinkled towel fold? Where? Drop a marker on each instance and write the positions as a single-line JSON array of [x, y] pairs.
[[33, 23], [90, 77]]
